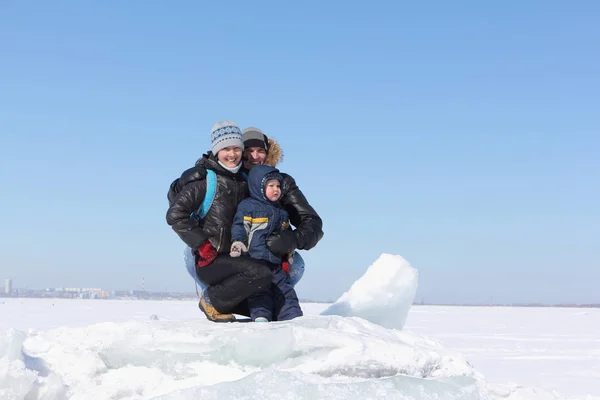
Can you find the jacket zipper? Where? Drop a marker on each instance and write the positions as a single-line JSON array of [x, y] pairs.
[[220, 244]]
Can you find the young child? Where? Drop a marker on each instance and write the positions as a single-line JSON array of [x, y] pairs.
[[257, 217]]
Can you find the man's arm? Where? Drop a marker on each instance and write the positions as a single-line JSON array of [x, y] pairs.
[[309, 226]]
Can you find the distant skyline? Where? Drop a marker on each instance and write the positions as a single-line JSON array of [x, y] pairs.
[[464, 138], [139, 291]]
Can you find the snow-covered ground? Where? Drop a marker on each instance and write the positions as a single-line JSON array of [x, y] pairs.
[[101, 349], [552, 348]]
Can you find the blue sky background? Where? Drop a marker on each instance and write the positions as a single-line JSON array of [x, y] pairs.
[[464, 136]]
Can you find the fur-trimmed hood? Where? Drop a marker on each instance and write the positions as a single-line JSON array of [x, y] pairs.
[[275, 154]]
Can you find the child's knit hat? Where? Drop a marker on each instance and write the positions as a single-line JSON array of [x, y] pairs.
[[225, 134]]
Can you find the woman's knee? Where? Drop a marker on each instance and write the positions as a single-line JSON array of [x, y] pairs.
[[260, 273]]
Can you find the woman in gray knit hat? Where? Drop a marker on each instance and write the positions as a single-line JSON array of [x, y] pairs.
[[231, 281]]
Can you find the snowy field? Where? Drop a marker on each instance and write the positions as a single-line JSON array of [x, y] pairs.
[[116, 349]]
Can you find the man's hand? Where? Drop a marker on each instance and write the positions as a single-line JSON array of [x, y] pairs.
[[282, 242]]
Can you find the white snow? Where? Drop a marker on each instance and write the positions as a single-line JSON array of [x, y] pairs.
[[383, 295], [98, 349], [553, 348]]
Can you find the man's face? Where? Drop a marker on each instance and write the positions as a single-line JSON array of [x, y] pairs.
[[254, 156]]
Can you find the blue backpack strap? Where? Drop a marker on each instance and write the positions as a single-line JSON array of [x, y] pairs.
[[209, 197], [211, 191]]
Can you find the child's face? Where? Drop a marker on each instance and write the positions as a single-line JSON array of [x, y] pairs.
[[273, 190], [230, 156]]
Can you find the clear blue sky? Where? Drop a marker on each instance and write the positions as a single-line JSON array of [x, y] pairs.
[[463, 136]]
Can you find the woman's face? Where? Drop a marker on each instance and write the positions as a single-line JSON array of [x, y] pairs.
[[254, 156], [230, 156]]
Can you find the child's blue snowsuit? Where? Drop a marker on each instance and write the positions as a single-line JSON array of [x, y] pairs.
[[256, 219]]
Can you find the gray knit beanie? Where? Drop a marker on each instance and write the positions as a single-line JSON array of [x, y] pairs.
[[254, 137], [225, 134]]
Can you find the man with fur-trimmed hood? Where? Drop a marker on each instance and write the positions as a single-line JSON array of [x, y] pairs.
[[260, 149]]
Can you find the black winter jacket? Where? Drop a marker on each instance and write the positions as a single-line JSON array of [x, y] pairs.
[[309, 226], [186, 195]]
